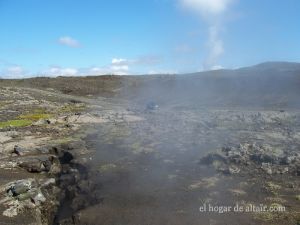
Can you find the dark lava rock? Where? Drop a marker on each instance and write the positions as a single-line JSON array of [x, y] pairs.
[[247, 157], [66, 157], [74, 220], [85, 186], [43, 150], [263, 158], [35, 164], [31, 165], [19, 189], [79, 203], [66, 179], [210, 158], [19, 150]]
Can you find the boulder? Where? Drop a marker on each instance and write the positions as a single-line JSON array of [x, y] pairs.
[[19, 187], [35, 164], [19, 150]]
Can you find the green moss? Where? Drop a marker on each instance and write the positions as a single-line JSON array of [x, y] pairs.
[[35, 116], [15, 123], [298, 197]]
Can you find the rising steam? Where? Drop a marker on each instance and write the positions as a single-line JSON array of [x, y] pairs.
[[211, 11]]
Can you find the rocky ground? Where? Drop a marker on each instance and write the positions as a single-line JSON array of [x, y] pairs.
[[43, 154], [150, 151], [163, 168]]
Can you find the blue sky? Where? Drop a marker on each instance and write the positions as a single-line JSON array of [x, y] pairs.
[[76, 37]]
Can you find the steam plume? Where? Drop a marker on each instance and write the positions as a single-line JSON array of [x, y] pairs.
[[211, 11]]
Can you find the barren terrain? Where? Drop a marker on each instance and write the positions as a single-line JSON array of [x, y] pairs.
[[152, 150]]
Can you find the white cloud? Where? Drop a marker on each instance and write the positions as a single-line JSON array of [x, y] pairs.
[[15, 70], [122, 66], [116, 67], [69, 71], [119, 66], [96, 71], [68, 41], [116, 61], [141, 60]]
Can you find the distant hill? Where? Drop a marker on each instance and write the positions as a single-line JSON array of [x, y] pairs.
[[269, 85], [283, 66]]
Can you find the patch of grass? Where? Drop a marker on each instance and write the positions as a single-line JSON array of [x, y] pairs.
[[35, 116], [72, 108], [276, 205], [276, 212], [15, 123], [298, 197], [265, 216], [276, 200], [2, 104], [272, 187], [273, 216], [40, 111]]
